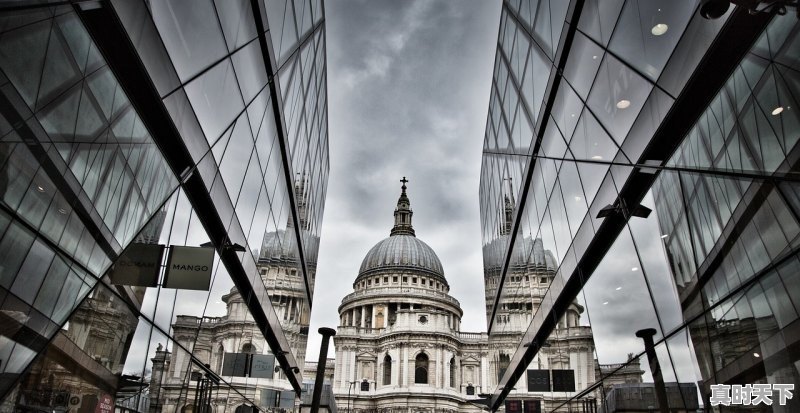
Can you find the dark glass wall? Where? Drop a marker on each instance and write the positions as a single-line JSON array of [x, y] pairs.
[[130, 129], [601, 112]]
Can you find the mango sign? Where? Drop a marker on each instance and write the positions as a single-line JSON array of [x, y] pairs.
[[105, 404], [189, 268]]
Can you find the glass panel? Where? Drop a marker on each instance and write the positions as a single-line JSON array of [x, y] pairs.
[[193, 44], [574, 197], [567, 109], [553, 144], [535, 82], [249, 65], [617, 97], [281, 26], [590, 141], [236, 18], [648, 31], [235, 160], [24, 50], [599, 18], [144, 35], [216, 99], [584, 61], [650, 246], [619, 303]]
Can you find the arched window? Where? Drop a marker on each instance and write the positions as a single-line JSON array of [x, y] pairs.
[[387, 370], [453, 372], [421, 369], [243, 408], [220, 356], [248, 348], [502, 365]]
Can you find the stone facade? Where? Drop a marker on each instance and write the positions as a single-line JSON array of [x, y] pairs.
[[235, 332], [211, 338], [399, 344]]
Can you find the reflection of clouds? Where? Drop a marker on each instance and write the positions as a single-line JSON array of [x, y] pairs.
[[683, 359], [629, 306], [142, 348], [619, 303], [616, 315], [646, 233], [418, 109]]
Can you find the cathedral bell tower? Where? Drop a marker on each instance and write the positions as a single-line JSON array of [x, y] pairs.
[[508, 218]]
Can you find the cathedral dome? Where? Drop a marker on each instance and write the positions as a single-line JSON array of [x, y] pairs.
[[402, 252], [527, 251], [277, 244]]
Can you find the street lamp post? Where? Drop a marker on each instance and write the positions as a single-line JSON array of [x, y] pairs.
[[326, 333], [349, 387], [646, 335]]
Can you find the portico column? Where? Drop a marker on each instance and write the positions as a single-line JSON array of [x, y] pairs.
[[405, 366], [484, 374], [353, 363], [438, 367]]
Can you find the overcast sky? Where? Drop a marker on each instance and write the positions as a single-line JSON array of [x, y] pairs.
[[409, 85], [408, 93]]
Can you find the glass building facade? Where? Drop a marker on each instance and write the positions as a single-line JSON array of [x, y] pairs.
[[163, 170], [654, 153]]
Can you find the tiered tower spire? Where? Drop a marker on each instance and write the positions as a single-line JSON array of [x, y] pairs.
[[403, 213]]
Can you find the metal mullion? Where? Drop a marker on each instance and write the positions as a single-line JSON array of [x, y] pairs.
[[555, 79], [783, 176], [743, 141], [300, 43], [270, 64]]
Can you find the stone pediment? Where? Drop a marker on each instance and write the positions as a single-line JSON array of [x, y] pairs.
[[470, 359], [366, 355]]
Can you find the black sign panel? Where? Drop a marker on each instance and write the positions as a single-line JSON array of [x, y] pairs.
[[563, 380], [513, 406], [269, 398], [532, 406], [287, 399], [538, 380], [235, 364], [189, 268], [139, 265], [262, 366]]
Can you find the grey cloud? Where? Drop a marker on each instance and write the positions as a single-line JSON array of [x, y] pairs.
[[408, 96], [408, 89]]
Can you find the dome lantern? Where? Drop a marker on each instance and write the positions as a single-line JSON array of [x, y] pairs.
[[402, 251], [403, 214]]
